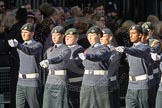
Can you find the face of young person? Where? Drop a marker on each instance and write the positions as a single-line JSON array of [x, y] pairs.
[[100, 10], [93, 38], [70, 40], [57, 38], [105, 39], [135, 36], [27, 35]]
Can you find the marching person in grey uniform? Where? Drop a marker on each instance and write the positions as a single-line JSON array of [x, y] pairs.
[[55, 92], [158, 104], [29, 71], [75, 68], [155, 47], [113, 68], [139, 69], [94, 90]]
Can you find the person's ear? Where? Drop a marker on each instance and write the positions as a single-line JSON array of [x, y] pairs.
[[110, 38], [140, 35]]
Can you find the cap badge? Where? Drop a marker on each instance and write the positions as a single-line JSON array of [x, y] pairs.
[[92, 31], [146, 26], [55, 31], [25, 28], [70, 33]]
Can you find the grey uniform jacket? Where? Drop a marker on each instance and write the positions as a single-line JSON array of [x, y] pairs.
[[30, 56]]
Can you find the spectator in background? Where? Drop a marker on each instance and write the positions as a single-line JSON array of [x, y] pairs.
[[28, 7], [30, 18], [44, 7], [5, 24], [75, 13], [152, 18], [99, 8], [38, 16], [3, 14], [99, 20], [66, 12], [88, 13], [62, 16], [44, 29], [112, 21]]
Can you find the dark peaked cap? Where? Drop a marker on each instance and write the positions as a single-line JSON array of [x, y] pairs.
[[71, 31], [29, 27], [94, 29], [136, 27], [107, 31], [58, 29], [148, 25]]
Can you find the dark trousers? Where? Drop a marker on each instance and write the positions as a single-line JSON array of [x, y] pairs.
[[157, 78], [27, 94], [74, 94], [55, 96], [114, 96], [137, 98], [94, 97], [159, 99]]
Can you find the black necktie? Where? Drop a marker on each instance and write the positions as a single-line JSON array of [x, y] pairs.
[[25, 43], [55, 46]]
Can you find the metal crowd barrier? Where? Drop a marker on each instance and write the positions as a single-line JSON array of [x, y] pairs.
[[4, 86]]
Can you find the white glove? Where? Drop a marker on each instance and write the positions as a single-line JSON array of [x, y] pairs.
[[120, 49], [44, 63], [155, 56], [82, 56], [13, 42]]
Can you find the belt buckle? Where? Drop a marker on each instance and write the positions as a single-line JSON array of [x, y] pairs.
[[23, 76], [91, 72], [52, 72], [133, 78]]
